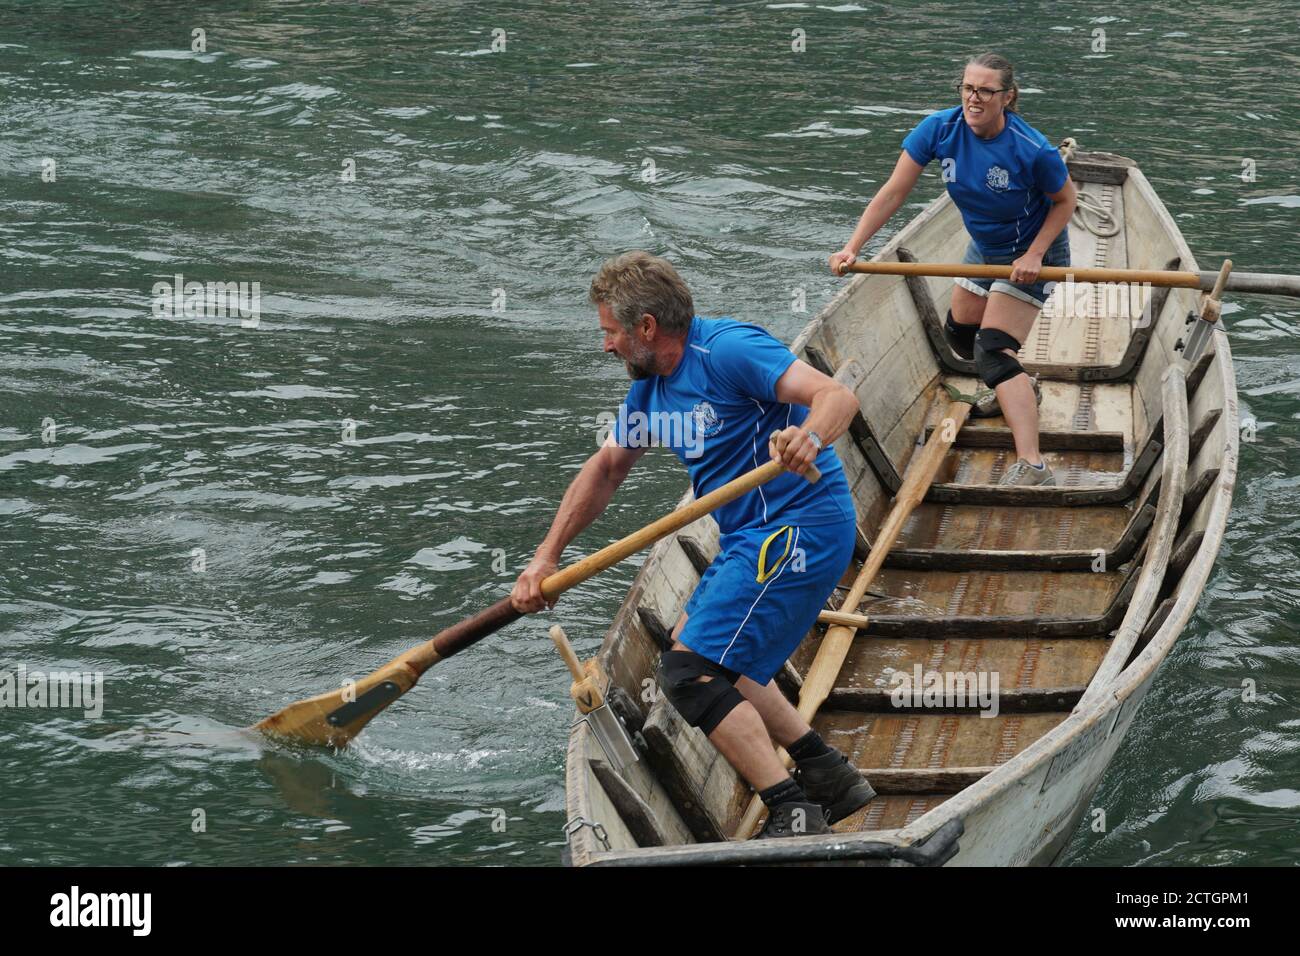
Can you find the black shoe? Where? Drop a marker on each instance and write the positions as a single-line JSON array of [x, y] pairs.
[[834, 783], [794, 819]]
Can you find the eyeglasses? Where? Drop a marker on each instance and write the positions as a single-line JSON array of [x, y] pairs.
[[982, 94]]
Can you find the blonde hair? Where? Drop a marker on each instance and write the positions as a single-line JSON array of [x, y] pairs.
[[637, 282], [1006, 74]]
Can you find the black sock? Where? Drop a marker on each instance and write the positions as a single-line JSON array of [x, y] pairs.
[[787, 791], [808, 746]]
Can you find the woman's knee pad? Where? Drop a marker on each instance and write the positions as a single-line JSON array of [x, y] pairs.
[[994, 365]]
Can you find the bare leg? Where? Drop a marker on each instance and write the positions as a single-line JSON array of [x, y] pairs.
[[781, 719], [742, 739], [1020, 409], [1016, 395], [967, 307]]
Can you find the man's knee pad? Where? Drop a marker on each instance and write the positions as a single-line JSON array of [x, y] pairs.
[[702, 704], [960, 337], [994, 365]]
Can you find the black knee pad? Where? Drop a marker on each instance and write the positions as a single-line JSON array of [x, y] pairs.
[[994, 365], [702, 704], [961, 338]]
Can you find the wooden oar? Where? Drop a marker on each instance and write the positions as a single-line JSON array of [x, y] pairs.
[[825, 668], [335, 717], [1260, 282]]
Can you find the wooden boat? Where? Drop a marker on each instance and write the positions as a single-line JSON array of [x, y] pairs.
[[1072, 595]]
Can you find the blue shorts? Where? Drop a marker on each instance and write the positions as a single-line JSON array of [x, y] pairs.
[[1058, 254], [761, 595]]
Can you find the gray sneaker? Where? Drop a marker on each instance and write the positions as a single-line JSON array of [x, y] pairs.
[[1022, 473], [986, 401]]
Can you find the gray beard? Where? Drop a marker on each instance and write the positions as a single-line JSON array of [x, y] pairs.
[[636, 372], [641, 367]]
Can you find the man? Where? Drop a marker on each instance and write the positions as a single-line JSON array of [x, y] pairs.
[[713, 391]]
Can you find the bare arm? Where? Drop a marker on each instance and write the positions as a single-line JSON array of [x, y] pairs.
[[1025, 269], [831, 408], [586, 498], [884, 204]]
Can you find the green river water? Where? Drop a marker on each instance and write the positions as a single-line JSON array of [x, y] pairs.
[[438, 302]]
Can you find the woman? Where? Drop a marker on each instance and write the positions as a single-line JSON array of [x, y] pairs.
[[1015, 197]]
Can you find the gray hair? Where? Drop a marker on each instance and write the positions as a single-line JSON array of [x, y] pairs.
[[637, 282]]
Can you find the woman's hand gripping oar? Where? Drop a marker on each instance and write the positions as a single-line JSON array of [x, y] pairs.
[[335, 717]]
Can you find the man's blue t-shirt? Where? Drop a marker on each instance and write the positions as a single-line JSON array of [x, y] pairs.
[[998, 184], [716, 411]]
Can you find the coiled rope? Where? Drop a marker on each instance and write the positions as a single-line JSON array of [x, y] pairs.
[[1088, 212]]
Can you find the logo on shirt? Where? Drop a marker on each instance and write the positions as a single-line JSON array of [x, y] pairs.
[[707, 422], [998, 179]]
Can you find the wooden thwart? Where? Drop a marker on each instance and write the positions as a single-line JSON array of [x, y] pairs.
[[988, 559], [996, 436], [1009, 626], [640, 820], [678, 754], [1017, 700], [888, 781], [1053, 496]]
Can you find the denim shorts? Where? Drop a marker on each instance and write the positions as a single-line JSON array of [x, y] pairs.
[[1058, 254]]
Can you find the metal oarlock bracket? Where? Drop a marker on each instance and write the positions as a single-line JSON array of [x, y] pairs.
[[1204, 325], [588, 691]]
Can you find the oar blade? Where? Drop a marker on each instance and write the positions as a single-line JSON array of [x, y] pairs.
[[332, 719]]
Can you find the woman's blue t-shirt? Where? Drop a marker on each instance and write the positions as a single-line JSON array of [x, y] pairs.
[[998, 184]]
